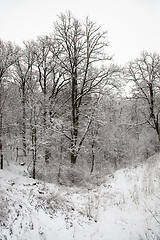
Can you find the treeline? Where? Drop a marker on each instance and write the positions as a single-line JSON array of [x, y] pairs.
[[63, 104]]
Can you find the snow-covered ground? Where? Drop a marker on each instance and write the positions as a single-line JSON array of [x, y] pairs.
[[126, 206]]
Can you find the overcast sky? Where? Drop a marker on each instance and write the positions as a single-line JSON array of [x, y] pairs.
[[132, 25]]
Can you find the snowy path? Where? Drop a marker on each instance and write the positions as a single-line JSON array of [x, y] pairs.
[[126, 206]]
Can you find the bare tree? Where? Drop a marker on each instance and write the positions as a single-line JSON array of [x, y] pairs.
[[23, 75], [144, 72], [50, 77], [8, 56], [83, 49]]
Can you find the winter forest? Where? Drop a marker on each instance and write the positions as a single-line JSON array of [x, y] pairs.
[[71, 117]]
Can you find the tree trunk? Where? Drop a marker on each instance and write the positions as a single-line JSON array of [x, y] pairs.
[[61, 160], [152, 114], [24, 120], [1, 146], [93, 157], [1, 126], [156, 123], [73, 159], [47, 152], [34, 150], [75, 117]]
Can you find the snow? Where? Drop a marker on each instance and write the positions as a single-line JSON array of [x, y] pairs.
[[125, 207]]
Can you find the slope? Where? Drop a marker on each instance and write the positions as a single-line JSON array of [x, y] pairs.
[[126, 206]]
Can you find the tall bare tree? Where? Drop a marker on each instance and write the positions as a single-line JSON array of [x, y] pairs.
[[8, 56], [83, 47], [23, 75]]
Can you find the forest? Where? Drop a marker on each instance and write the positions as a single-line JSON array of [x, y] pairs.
[[68, 112]]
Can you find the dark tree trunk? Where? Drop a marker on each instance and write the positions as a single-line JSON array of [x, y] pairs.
[[1, 161], [34, 150], [75, 112], [47, 152], [73, 158], [24, 119], [93, 157]]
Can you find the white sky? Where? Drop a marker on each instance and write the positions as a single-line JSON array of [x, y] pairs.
[[132, 25]]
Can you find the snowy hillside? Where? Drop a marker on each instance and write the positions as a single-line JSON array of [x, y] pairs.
[[126, 206]]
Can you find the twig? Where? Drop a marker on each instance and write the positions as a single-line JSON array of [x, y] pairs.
[[152, 214]]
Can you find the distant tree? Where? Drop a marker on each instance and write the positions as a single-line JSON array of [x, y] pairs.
[[144, 73], [8, 56], [83, 50], [23, 76]]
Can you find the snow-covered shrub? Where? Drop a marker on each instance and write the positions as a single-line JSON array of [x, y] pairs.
[[92, 206], [71, 176]]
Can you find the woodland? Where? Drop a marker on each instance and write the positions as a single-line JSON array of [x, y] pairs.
[[68, 112]]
